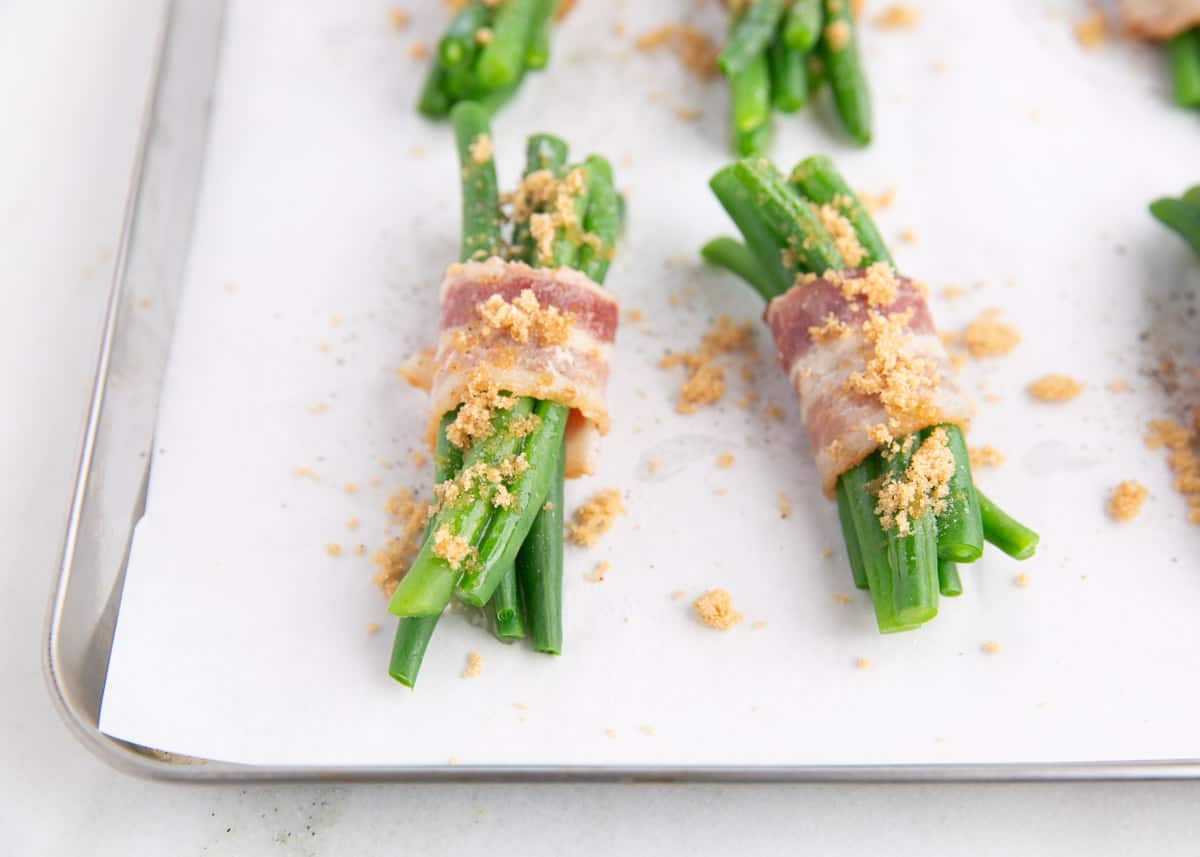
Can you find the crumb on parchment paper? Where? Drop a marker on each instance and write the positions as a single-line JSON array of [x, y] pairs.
[[1126, 500], [985, 456], [862, 664], [898, 16], [1021, 581], [705, 382], [333, 549], [986, 336], [1092, 31], [1180, 443], [785, 506], [595, 517], [1055, 388], [725, 460], [991, 647], [715, 609], [474, 665], [372, 628], [409, 514], [599, 570], [677, 594], [398, 18], [841, 598], [692, 46]]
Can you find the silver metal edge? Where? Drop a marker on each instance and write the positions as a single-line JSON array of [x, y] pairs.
[[149, 764]]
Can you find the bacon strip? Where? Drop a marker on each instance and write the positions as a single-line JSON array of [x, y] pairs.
[[1160, 19], [573, 372], [821, 342]]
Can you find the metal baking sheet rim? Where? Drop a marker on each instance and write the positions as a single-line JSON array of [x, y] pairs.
[[152, 764]]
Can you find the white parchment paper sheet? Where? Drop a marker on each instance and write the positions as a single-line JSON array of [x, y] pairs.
[[328, 213]]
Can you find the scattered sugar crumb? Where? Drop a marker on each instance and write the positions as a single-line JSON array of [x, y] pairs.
[[862, 664], [1092, 31], [785, 506], [416, 152], [689, 44], [597, 574], [897, 17], [610, 732], [1126, 500], [705, 382], [1055, 388], [758, 626], [715, 609], [646, 729], [985, 456], [908, 236], [474, 665], [774, 412], [481, 149], [953, 292], [484, 36], [826, 553], [841, 598], [595, 517], [372, 628], [987, 337], [654, 466], [1119, 385], [350, 488], [305, 473], [677, 594], [418, 458], [991, 647], [352, 524], [318, 409], [688, 114], [398, 18], [877, 202], [1180, 443], [633, 315], [720, 492], [392, 560], [333, 549], [1021, 581], [231, 287], [418, 51], [360, 550], [453, 760], [323, 347]]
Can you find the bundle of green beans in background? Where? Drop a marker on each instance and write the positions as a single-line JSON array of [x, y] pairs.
[[777, 57], [1183, 53], [485, 53], [515, 567], [1181, 214], [903, 572]]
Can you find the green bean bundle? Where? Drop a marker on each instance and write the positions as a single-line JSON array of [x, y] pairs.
[[485, 53], [494, 536], [909, 512], [1181, 214], [768, 58]]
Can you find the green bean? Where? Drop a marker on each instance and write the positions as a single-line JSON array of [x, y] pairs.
[[539, 568], [493, 100], [537, 54], [480, 198], [503, 58], [509, 526], [858, 571], [434, 100], [750, 94], [565, 249], [839, 50], [949, 583], [1184, 54], [818, 180], [602, 220], [750, 143], [817, 75], [734, 256], [789, 83], [792, 221], [749, 36], [872, 542], [1192, 195], [426, 588], [739, 203], [959, 524], [413, 633], [505, 613], [459, 82], [912, 555], [1006, 533], [1181, 216], [457, 48], [542, 152], [802, 26]]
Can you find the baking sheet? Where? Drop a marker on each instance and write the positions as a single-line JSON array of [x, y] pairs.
[[327, 215]]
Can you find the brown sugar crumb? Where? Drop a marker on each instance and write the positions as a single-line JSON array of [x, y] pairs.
[[484, 36], [597, 574], [541, 189], [481, 152], [897, 17], [725, 460], [418, 368], [318, 409], [785, 506], [862, 664], [705, 384], [418, 51], [646, 729], [352, 524], [418, 458], [474, 665], [1092, 31], [399, 19], [987, 337], [333, 549], [841, 598], [610, 732], [758, 626], [838, 35], [908, 236], [691, 45], [895, 375], [688, 114], [924, 485], [878, 284], [409, 515], [633, 315], [563, 9], [1119, 385], [1055, 388], [677, 594], [991, 647], [720, 492], [1126, 500], [877, 202], [1021, 581], [826, 553], [350, 487], [773, 412], [843, 234], [305, 473], [372, 628], [360, 550], [715, 609], [1180, 443], [985, 456], [654, 466], [595, 517], [953, 292]]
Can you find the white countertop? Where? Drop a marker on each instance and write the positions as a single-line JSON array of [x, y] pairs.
[[73, 78]]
